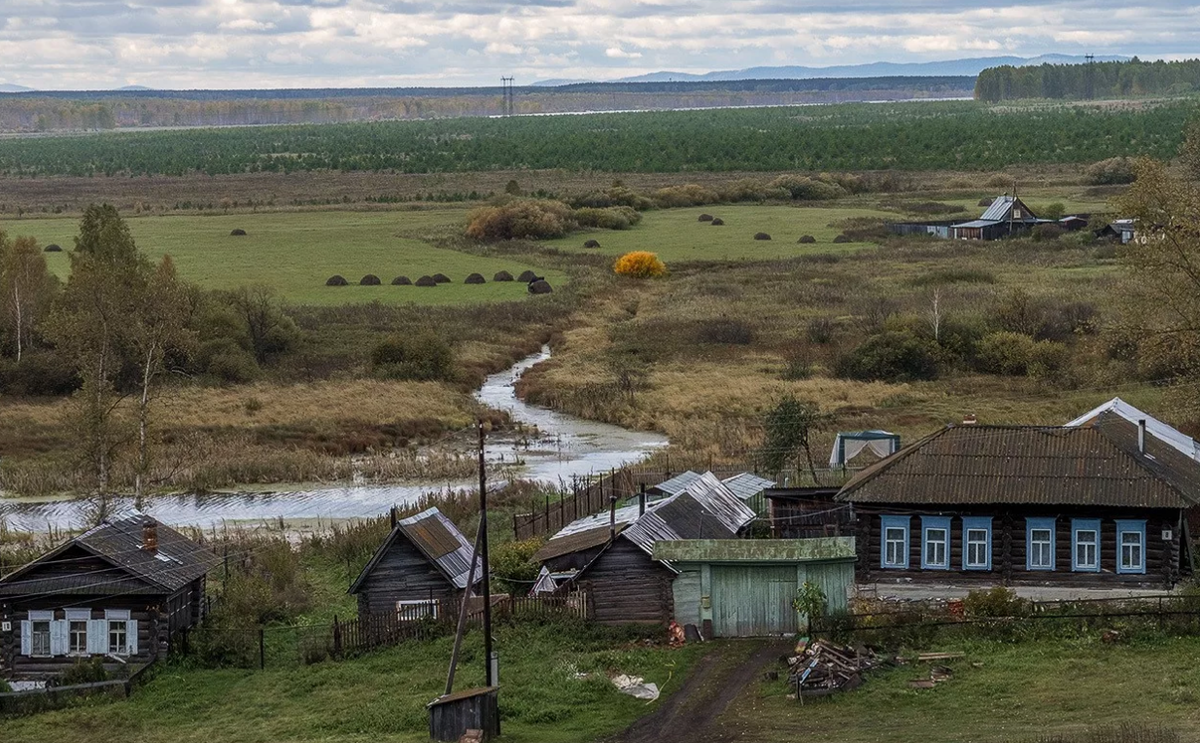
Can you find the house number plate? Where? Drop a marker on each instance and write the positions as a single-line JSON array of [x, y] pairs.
[[5, 626]]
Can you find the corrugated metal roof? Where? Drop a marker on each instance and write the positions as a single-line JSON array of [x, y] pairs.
[[177, 562], [978, 223], [1180, 441], [438, 539], [676, 484], [1096, 465], [756, 550], [997, 211], [706, 509], [747, 484], [625, 515], [575, 542]]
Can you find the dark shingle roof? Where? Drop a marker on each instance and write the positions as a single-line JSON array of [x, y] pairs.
[[1095, 465], [436, 537], [177, 562]]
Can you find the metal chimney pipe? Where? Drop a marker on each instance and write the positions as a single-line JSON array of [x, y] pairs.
[[150, 536], [642, 500], [612, 517], [1142, 436]]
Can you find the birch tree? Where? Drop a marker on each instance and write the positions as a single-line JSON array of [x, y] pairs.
[[26, 290]]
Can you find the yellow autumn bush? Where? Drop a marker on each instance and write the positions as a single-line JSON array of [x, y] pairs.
[[640, 264]]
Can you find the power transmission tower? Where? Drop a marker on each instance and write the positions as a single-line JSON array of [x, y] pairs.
[[510, 100], [1089, 80]]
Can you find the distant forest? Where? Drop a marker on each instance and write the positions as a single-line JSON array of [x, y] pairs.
[[119, 109], [1134, 78]]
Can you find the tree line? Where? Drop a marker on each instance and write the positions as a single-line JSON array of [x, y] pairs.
[[1133, 78], [930, 136], [112, 332]]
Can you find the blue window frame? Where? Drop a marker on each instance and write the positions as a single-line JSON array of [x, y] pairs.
[[1039, 544], [1085, 545], [977, 543], [1131, 546], [935, 542], [894, 550]]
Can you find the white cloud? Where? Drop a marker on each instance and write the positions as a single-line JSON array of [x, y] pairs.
[[616, 52], [263, 43]]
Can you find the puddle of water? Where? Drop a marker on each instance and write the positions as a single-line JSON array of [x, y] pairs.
[[565, 447]]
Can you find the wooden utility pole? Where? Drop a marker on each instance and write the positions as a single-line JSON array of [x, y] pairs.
[[489, 679]]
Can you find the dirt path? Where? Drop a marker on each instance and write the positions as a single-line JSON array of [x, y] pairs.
[[689, 714]]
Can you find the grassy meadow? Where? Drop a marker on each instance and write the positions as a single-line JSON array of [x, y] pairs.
[[294, 253], [544, 696], [1030, 691]]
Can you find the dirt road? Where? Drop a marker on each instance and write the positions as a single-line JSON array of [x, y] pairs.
[[690, 715]]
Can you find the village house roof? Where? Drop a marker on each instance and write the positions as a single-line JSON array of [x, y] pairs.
[[1099, 464], [438, 539], [706, 509], [176, 562], [676, 484], [1156, 428], [747, 484]]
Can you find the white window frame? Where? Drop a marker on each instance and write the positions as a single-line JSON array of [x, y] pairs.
[[78, 616], [1033, 525], [1131, 527], [1078, 528], [121, 617], [36, 618], [404, 607], [902, 525], [932, 525]]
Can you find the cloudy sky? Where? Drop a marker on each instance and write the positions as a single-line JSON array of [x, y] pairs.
[[80, 44]]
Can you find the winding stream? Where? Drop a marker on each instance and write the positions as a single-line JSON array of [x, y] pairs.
[[558, 448]]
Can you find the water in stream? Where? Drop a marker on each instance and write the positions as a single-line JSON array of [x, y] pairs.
[[564, 447]]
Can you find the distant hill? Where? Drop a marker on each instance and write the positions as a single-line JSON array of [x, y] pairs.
[[947, 68], [13, 88], [134, 87]]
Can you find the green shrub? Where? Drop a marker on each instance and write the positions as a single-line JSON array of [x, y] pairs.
[[747, 189], [820, 330], [1005, 353], [419, 356], [38, 373], [686, 195], [1112, 170], [513, 566], [1046, 232], [521, 219], [995, 602], [616, 195], [609, 218], [4, 687], [891, 356], [1055, 210], [227, 360], [803, 188], [83, 671]]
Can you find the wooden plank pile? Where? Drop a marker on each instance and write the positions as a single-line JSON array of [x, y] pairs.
[[823, 668]]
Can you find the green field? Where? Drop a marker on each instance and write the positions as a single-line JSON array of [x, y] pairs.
[[295, 252], [676, 235]]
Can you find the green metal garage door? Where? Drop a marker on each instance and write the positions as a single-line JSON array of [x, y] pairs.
[[753, 601]]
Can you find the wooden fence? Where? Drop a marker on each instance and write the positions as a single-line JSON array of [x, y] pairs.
[[591, 495]]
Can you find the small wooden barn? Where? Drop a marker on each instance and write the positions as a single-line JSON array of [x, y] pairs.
[[745, 587], [423, 563], [121, 591], [1091, 505], [807, 513], [622, 580]]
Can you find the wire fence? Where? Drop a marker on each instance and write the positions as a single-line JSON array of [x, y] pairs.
[[276, 646]]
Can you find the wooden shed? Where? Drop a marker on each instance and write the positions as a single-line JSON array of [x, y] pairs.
[[452, 715], [623, 581], [745, 587], [120, 591], [424, 561]]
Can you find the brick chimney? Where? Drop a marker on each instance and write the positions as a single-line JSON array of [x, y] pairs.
[[970, 419], [150, 536]]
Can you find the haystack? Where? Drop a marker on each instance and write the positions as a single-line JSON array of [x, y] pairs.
[[842, 238], [426, 281], [807, 239], [502, 276], [527, 276], [237, 233], [369, 280], [592, 244], [717, 222], [336, 280], [401, 281], [441, 278], [706, 218], [540, 286], [475, 278], [761, 236], [53, 248]]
